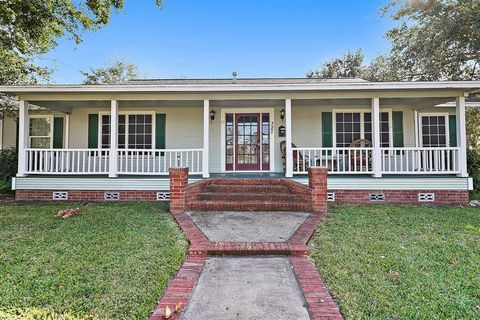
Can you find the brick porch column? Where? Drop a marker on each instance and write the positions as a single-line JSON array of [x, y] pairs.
[[178, 183], [317, 180]]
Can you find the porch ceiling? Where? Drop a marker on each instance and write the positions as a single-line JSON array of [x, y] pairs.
[[68, 105]]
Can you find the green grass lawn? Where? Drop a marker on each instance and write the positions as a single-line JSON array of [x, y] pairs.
[[111, 262], [401, 262]]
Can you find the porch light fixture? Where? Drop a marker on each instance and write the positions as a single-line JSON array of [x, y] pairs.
[[282, 114], [212, 114]]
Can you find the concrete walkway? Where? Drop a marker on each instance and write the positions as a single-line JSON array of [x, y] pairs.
[[273, 278], [247, 288], [248, 226]]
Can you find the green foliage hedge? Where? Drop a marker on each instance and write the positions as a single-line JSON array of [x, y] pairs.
[[473, 159], [8, 168]]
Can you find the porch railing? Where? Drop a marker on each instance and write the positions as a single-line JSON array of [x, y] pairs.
[[337, 160], [157, 162], [393, 160], [420, 160], [67, 161], [97, 161]]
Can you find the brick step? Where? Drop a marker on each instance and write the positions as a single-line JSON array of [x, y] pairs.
[[246, 181], [209, 205], [224, 188], [245, 196]]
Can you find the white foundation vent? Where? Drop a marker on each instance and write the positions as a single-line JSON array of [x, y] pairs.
[[330, 196], [426, 197], [163, 196], [376, 197], [111, 196], [59, 195]]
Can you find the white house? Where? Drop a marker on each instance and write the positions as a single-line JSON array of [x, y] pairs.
[[389, 139]]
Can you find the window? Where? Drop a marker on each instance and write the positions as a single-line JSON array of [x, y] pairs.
[[348, 128], [351, 126], [135, 131], [433, 130], [40, 132]]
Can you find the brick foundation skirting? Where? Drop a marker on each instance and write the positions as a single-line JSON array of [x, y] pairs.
[[445, 197], [85, 195], [442, 197]]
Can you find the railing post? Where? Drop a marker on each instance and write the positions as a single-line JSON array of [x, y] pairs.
[[23, 128], [288, 139], [206, 133], [178, 183], [377, 152], [113, 156], [461, 136]]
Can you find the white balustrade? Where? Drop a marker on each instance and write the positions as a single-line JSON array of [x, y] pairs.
[[420, 160], [157, 162], [66, 161], [393, 160], [356, 160]]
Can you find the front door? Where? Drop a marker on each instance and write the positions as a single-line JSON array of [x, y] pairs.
[[247, 141]]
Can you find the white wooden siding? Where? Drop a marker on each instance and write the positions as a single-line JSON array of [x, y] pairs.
[[152, 183]]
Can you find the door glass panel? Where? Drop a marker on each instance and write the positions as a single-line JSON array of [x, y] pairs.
[[265, 141]]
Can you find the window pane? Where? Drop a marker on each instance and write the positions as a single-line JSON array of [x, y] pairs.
[[40, 127], [40, 143]]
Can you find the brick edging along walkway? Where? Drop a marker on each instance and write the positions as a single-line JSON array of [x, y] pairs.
[[200, 244], [319, 301]]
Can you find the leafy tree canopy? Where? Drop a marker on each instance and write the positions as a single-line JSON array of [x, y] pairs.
[[118, 72], [29, 28], [435, 39]]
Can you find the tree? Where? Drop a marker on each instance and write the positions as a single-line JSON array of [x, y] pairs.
[[118, 72], [435, 39], [472, 116], [350, 65], [30, 28]]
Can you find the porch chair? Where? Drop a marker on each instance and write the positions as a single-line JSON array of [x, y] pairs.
[[361, 157], [298, 159]]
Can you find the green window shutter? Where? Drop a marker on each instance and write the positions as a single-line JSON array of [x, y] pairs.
[[93, 131], [397, 125], [160, 131], [58, 132], [327, 131], [452, 125]]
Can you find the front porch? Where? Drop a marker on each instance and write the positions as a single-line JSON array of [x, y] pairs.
[[280, 137]]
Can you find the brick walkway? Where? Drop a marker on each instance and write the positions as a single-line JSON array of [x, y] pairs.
[[319, 302]]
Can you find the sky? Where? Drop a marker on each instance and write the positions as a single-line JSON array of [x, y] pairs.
[[213, 38]]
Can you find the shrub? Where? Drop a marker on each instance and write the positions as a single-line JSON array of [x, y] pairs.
[[8, 168], [473, 160]]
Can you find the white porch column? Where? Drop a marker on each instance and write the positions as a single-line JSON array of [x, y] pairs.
[[67, 131], [23, 128], [113, 156], [461, 137], [288, 139], [206, 137], [377, 152]]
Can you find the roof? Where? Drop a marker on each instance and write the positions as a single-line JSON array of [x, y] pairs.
[[240, 81], [244, 85]]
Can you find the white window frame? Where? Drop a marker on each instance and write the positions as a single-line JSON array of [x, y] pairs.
[[362, 125], [126, 113], [38, 116], [434, 114]]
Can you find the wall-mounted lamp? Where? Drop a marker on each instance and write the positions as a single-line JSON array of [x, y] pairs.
[[212, 114], [282, 114]]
